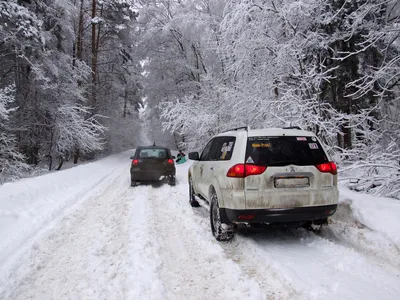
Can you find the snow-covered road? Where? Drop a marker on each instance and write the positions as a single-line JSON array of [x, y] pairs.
[[105, 240]]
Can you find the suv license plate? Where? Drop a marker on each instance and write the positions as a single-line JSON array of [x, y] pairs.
[[292, 182]]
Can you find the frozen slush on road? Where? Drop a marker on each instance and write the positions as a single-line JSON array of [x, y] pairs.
[[84, 233]]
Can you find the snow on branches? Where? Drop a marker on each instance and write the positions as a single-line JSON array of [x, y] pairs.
[[11, 161], [328, 66], [73, 129]]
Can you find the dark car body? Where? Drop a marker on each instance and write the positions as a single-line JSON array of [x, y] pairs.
[[152, 163]]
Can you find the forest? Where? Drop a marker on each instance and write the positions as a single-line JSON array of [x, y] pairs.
[[85, 78]]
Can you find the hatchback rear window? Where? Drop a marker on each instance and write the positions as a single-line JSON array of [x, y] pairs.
[[153, 153], [284, 150]]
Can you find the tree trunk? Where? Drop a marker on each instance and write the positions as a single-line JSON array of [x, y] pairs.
[[125, 104], [76, 156], [339, 140], [79, 40], [78, 51], [175, 140], [60, 164], [94, 54], [50, 162], [347, 143], [51, 150]]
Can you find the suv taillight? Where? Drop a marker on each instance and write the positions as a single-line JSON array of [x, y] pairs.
[[171, 161], [329, 167], [135, 162], [244, 170]]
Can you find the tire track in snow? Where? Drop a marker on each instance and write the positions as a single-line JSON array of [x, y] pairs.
[[194, 266], [268, 278], [83, 256], [143, 263]]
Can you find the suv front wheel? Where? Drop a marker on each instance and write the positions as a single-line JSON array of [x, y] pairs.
[[221, 232]]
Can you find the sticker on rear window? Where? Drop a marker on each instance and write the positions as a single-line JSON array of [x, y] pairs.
[[230, 146], [250, 160], [261, 145], [313, 145], [301, 138], [258, 138], [224, 148]]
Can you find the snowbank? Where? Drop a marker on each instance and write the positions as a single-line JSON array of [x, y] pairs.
[[29, 204], [378, 213]]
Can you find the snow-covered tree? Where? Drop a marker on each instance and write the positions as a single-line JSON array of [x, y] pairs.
[[46, 49], [179, 44], [327, 66], [11, 161]]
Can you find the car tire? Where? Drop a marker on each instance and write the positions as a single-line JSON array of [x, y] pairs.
[[171, 180], [192, 198], [221, 232], [134, 183]]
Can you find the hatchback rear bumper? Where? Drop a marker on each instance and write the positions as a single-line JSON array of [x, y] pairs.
[[277, 215], [150, 175]]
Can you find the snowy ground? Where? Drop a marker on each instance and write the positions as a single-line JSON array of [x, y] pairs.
[[84, 233]]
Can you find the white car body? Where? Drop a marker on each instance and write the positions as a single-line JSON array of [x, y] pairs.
[[282, 193]]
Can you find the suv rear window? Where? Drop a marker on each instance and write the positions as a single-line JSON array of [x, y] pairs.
[[153, 153], [284, 150]]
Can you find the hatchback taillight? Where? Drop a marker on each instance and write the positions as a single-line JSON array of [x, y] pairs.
[[329, 167], [244, 170], [135, 162], [171, 161]]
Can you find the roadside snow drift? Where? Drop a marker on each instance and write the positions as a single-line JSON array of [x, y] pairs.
[[29, 204], [378, 213]]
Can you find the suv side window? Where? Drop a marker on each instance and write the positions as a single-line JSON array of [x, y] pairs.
[[222, 148], [215, 151], [206, 152], [227, 148]]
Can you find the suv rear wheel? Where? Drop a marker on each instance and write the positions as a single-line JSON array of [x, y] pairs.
[[192, 199], [221, 232]]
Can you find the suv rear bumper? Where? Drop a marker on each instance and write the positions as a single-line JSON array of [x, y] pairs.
[[276, 215], [150, 175]]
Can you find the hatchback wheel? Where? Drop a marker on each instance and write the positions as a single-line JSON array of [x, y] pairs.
[[171, 180], [134, 183], [221, 232], [192, 199]]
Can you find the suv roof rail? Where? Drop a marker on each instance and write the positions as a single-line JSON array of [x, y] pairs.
[[238, 128], [293, 127]]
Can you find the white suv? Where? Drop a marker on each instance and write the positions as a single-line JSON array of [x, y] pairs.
[[262, 177]]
